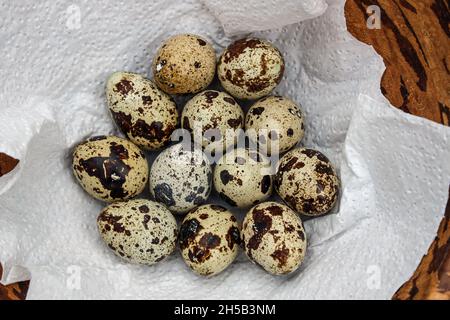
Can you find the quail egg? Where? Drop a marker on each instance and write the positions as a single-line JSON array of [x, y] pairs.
[[242, 177], [180, 177], [110, 168], [274, 238], [250, 68], [184, 63], [209, 239], [139, 231], [214, 116], [145, 114], [307, 182], [277, 123]]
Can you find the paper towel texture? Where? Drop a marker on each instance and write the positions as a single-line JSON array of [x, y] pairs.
[[56, 58], [239, 17]]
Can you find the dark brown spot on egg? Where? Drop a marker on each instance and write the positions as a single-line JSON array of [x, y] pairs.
[[204, 216], [113, 221], [163, 193], [275, 210], [257, 111], [209, 241], [188, 231], [265, 184], [233, 237], [238, 47], [290, 132], [144, 209], [229, 100], [281, 255], [146, 221], [197, 64], [210, 95], [124, 86], [110, 171], [147, 100], [322, 168], [235, 123], [225, 177], [201, 42], [262, 223]]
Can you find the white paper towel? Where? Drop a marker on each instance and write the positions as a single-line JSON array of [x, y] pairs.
[[55, 60], [238, 16]]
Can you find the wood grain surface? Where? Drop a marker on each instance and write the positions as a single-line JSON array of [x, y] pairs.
[[432, 278], [414, 43]]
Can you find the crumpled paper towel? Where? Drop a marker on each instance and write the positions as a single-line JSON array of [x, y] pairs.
[[55, 59], [237, 16]]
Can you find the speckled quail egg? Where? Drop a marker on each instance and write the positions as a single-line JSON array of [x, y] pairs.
[[209, 239], [250, 68], [110, 168], [307, 181], [145, 114], [139, 231], [214, 116], [242, 178], [180, 177], [184, 63], [274, 238], [277, 122]]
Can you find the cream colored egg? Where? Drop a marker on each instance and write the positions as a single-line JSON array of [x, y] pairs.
[[139, 231], [110, 168], [145, 114], [277, 122], [215, 116], [274, 238], [250, 68], [181, 178], [242, 178], [209, 239], [307, 182], [184, 63]]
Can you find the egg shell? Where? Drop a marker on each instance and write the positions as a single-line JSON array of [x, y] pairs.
[[181, 178], [278, 122], [274, 238], [213, 112], [185, 63], [145, 114], [242, 178], [110, 168], [307, 182], [139, 231], [209, 239], [250, 68]]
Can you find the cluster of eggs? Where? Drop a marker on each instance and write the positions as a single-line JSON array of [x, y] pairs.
[[181, 178]]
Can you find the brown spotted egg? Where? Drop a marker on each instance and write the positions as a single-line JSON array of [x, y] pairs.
[[145, 114], [184, 63], [139, 231], [277, 122], [180, 178], [214, 116], [242, 178], [250, 68], [307, 182], [209, 239], [274, 238], [110, 168]]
